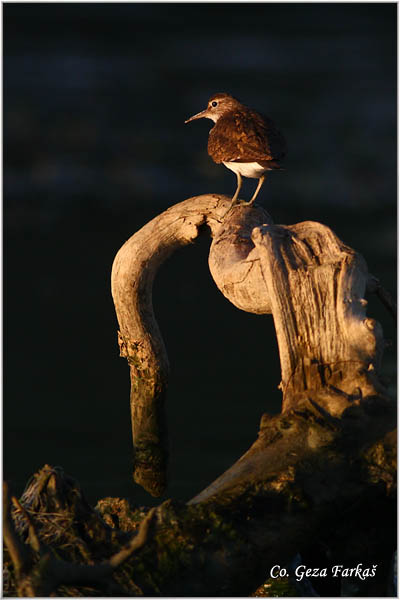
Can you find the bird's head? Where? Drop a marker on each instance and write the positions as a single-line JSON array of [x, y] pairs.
[[218, 105]]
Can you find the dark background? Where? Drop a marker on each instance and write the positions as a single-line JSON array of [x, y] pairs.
[[95, 96]]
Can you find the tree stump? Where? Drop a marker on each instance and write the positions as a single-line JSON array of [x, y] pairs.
[[320, 475], [310, 281]]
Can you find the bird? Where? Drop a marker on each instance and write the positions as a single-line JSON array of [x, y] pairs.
[[246, 142]]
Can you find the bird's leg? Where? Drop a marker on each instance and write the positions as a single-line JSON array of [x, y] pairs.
[[258, 188], [239, 185]]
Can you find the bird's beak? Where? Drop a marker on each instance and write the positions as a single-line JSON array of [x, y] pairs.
[[201, 115]]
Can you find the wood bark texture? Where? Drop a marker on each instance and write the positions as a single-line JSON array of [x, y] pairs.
[[316, 285], [310, 281], [319, 479], [140, 340]]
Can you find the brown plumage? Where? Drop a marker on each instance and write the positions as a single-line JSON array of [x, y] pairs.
[[243, 140]]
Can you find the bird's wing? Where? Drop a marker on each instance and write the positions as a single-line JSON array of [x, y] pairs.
[[276, 141], [245, 137]]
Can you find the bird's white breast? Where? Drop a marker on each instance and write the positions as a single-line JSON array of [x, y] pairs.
[[252, 169]]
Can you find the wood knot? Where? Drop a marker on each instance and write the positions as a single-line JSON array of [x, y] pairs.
[[128, 348]]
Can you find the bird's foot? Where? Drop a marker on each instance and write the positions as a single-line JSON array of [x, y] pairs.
[[232, 205], [234, 202]]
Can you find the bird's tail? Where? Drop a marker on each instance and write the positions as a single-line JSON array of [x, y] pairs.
[[271, 165]]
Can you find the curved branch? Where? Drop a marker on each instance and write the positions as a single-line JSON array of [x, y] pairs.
[[311, 282], [327, 458], [140, 340]]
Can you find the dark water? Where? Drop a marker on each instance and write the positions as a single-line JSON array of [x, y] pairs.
[[95, 97]]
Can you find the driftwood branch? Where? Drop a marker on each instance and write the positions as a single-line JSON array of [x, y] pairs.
[[140, 340], [310, 281], [322, 474]]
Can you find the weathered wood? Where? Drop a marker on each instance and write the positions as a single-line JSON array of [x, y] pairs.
[[234, 261], [315, 470], [140, 340], [316, 285], [310, 281]]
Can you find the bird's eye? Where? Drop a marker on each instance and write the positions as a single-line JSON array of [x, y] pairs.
[[214, 103]]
